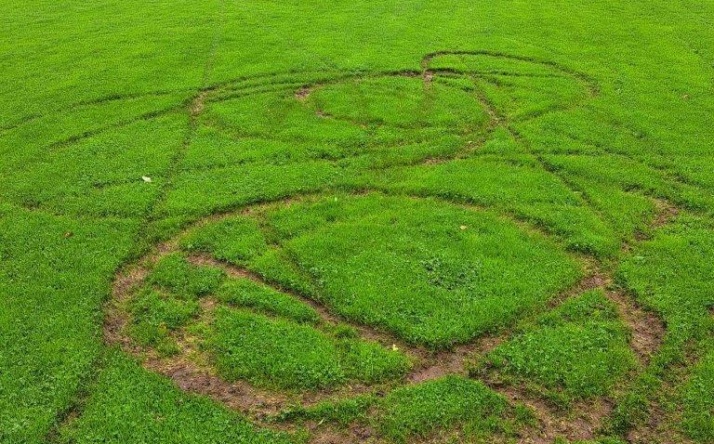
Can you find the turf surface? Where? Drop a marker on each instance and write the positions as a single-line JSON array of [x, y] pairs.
[[362, 221]]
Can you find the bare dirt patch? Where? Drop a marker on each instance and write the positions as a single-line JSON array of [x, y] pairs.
[[647, 328], [580, 422], [302, 94]]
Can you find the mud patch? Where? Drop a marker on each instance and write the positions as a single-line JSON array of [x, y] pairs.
[[581, 422]]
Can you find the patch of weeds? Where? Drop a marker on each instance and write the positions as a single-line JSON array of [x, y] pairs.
[[450, 277]]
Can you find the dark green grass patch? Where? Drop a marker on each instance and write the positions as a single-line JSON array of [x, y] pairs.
[[400, 102], [49, 337], [169, 301], [285, 350], [99, 176]]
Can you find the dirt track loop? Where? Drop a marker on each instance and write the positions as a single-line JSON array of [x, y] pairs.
[[582, 422]]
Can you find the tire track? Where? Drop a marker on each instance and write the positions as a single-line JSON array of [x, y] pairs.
[[584, 422]]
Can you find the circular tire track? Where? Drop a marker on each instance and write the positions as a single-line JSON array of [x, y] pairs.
[[647, 330]]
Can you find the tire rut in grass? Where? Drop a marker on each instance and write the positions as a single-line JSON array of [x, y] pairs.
[[582, 422]]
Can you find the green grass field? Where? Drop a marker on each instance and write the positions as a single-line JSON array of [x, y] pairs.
[[342, 222]]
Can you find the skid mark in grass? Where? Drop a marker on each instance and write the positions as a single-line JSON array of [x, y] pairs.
[[60, 144], [646, 328], [192, 371], [250, 86], [459, 360]]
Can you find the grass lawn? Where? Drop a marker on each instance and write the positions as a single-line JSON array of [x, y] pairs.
[[386, 222]]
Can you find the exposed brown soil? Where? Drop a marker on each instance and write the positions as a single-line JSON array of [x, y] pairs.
[[666, 213], [302, 94], [454, 362], [581, 422], [647, 329], [236, 395], [660, 425], [325, 434], [198, 104]]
